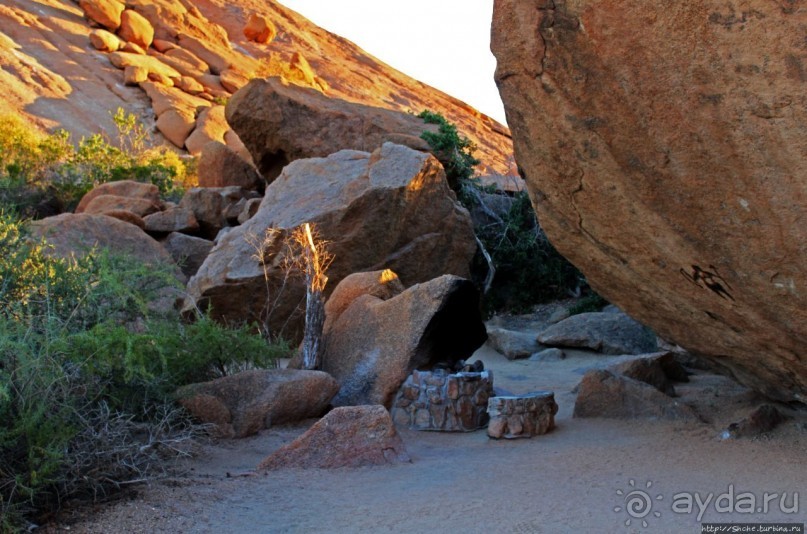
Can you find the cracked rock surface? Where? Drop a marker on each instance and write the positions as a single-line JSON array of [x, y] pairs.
[[664, 147]]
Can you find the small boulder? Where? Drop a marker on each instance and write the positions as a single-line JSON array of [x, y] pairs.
[[353, 436], [161, 79], [609, 333], [232, 140], [133, 48], [164, 99], [183, 67], [762, 420], [210, 205], [105, 41], [259, 29], [243, 404], [249, 210], [127, 216], [163, 46], [134, 75], [602, 393], [513, 345], [217, 56], [175, 219], [187, 58], [382, 285], [547, 355], [300, 71], [77, 234], [106, 203], [176, 125], [220, 166], [188, 251], [123, 188], [211, 125], [152, 64], [190, 85], [136, 29], [233, 80], [107, 13], [657, 370]]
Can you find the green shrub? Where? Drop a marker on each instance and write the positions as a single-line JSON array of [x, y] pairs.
[[454, 151], [87, 370], [35, 168], [592, 302], [528, 268]]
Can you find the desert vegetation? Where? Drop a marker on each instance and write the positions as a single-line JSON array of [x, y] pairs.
[[43, 174], [91, 349], [527, 270]]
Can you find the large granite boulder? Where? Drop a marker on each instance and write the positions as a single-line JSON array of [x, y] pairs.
[[666, 160], [280, 122], [389, 209], [376, 333], [245, 403]]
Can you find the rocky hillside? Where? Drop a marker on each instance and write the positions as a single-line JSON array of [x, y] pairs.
[[68, 64]]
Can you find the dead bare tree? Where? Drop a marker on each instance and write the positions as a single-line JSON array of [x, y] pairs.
[[315, 262], [300, 252]]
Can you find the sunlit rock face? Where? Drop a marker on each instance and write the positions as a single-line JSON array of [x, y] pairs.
[[58, 70], [388, 209], [665, 146]]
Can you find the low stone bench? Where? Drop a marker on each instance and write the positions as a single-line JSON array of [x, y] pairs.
[[439, 401], [522, 416]]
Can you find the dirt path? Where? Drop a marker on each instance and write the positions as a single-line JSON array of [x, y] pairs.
[[565, 481]]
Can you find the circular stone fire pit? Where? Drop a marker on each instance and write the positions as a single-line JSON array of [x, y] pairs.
[[439, 401], [524, 416]]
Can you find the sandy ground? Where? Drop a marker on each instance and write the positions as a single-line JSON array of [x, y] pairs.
[[565, 481]]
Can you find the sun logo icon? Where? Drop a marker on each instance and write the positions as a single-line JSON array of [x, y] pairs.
[[638, 503]]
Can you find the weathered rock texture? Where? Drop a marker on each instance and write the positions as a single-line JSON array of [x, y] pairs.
[[390, 209], [512, 344], [188, 251], [221, 166], [122, 188], [280, 122], [605, 394], [664, 147], [77, 234], [762, 420], [609, 333], [436, 400], [354, 436], [245, 403], [659, 370], [380, 336]]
